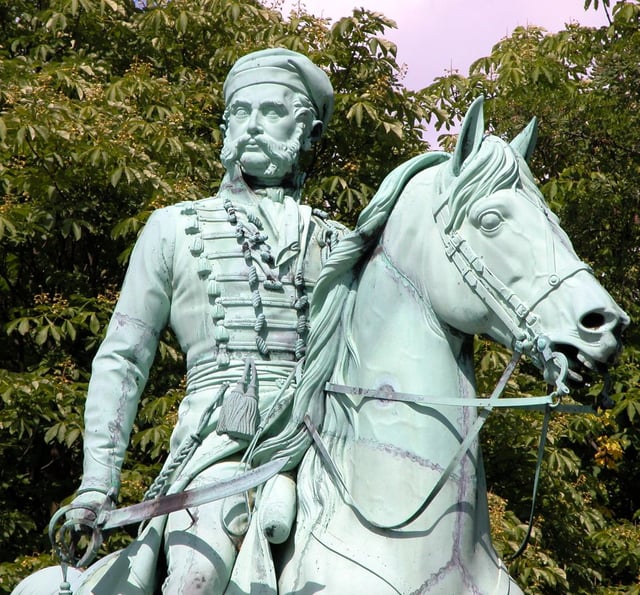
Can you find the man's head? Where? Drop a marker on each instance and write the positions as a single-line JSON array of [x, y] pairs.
[[277, 103]]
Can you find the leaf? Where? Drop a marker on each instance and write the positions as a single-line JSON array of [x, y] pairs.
[[356, 112], [20, 135], [76, 230], [394, 127], [115, 6], [24, 326], [72, 436], [182, 24], [6, 227], [51, 433], [633, 409], [70, 330], [116, 175]]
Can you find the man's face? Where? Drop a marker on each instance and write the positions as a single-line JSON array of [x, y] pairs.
[[262, 134]]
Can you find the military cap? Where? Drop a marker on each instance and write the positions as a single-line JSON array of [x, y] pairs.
[[284, 67]]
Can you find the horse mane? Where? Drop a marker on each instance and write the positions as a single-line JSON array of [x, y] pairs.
[[329, 299]]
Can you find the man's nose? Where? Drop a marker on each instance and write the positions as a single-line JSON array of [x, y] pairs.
[[254, 127]]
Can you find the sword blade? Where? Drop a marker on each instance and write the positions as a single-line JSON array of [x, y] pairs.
[[128, 515]]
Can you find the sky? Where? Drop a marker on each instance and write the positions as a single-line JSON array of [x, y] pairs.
[[434, 36]]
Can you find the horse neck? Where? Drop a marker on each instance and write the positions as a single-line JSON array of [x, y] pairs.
[[393, 337]]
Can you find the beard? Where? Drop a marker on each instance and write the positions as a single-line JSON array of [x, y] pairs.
[[281, 157]]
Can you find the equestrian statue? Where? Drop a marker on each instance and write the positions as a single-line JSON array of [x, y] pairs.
[[328, 438]]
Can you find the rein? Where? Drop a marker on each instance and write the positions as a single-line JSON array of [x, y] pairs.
[[548, 404]]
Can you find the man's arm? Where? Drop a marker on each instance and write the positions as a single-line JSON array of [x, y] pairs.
[[121, 367]]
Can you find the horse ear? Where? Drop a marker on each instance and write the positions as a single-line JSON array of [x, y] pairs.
[[525, 142], [470, 135]]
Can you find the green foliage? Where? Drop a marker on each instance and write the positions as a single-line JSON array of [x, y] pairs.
[[584, 509], [13, 572]]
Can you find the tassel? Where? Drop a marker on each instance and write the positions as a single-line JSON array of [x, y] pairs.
[[223, 358], [239, 412], [204, 266]]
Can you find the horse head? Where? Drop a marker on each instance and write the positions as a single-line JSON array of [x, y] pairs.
[[517, 277]]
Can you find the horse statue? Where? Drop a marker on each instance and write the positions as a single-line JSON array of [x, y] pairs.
[[391, 495]]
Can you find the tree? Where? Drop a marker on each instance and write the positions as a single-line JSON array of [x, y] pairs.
[[108, 110]]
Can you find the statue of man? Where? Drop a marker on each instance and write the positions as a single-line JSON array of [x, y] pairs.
[[231, 275]]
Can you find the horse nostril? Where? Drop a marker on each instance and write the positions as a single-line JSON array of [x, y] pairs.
[[593, 320]]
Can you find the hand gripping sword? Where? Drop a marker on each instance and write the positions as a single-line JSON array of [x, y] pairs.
[[64, 533]]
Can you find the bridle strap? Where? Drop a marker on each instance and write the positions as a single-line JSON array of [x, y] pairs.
[[513, 312], [536, 480], [556, 279], [387, 393], [483, 414], [501, 300]]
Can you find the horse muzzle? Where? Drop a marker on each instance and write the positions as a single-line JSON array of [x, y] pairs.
[[594, 348], [585, 325]]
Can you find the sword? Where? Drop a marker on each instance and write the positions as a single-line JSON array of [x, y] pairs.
[[106, 518], [128, 515]]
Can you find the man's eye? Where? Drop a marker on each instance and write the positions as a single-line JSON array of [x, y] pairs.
[[273, 113], [241, 112]]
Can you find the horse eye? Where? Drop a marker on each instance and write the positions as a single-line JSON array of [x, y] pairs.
[[490, 220]]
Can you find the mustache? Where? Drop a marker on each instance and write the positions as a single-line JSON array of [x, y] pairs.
[[270, 146], [281, 154]]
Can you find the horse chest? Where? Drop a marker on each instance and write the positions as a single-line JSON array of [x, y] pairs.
[[393, 452]]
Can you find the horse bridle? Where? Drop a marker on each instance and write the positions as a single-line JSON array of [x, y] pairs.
[[523, 324], [512, 311]]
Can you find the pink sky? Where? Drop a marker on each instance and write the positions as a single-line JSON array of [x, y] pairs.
[[436, 35]]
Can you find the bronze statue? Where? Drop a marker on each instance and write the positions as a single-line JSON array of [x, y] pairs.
[[383, 420]]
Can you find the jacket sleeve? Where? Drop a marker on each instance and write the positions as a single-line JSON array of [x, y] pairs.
[[121, 367]]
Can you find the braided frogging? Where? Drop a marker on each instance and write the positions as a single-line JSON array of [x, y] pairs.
[[256, 253], [256, 240], [162, 482]]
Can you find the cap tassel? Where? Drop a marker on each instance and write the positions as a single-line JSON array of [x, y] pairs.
[[239, 412]]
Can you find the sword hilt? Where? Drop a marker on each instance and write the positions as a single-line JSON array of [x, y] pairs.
[[77, 539]]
